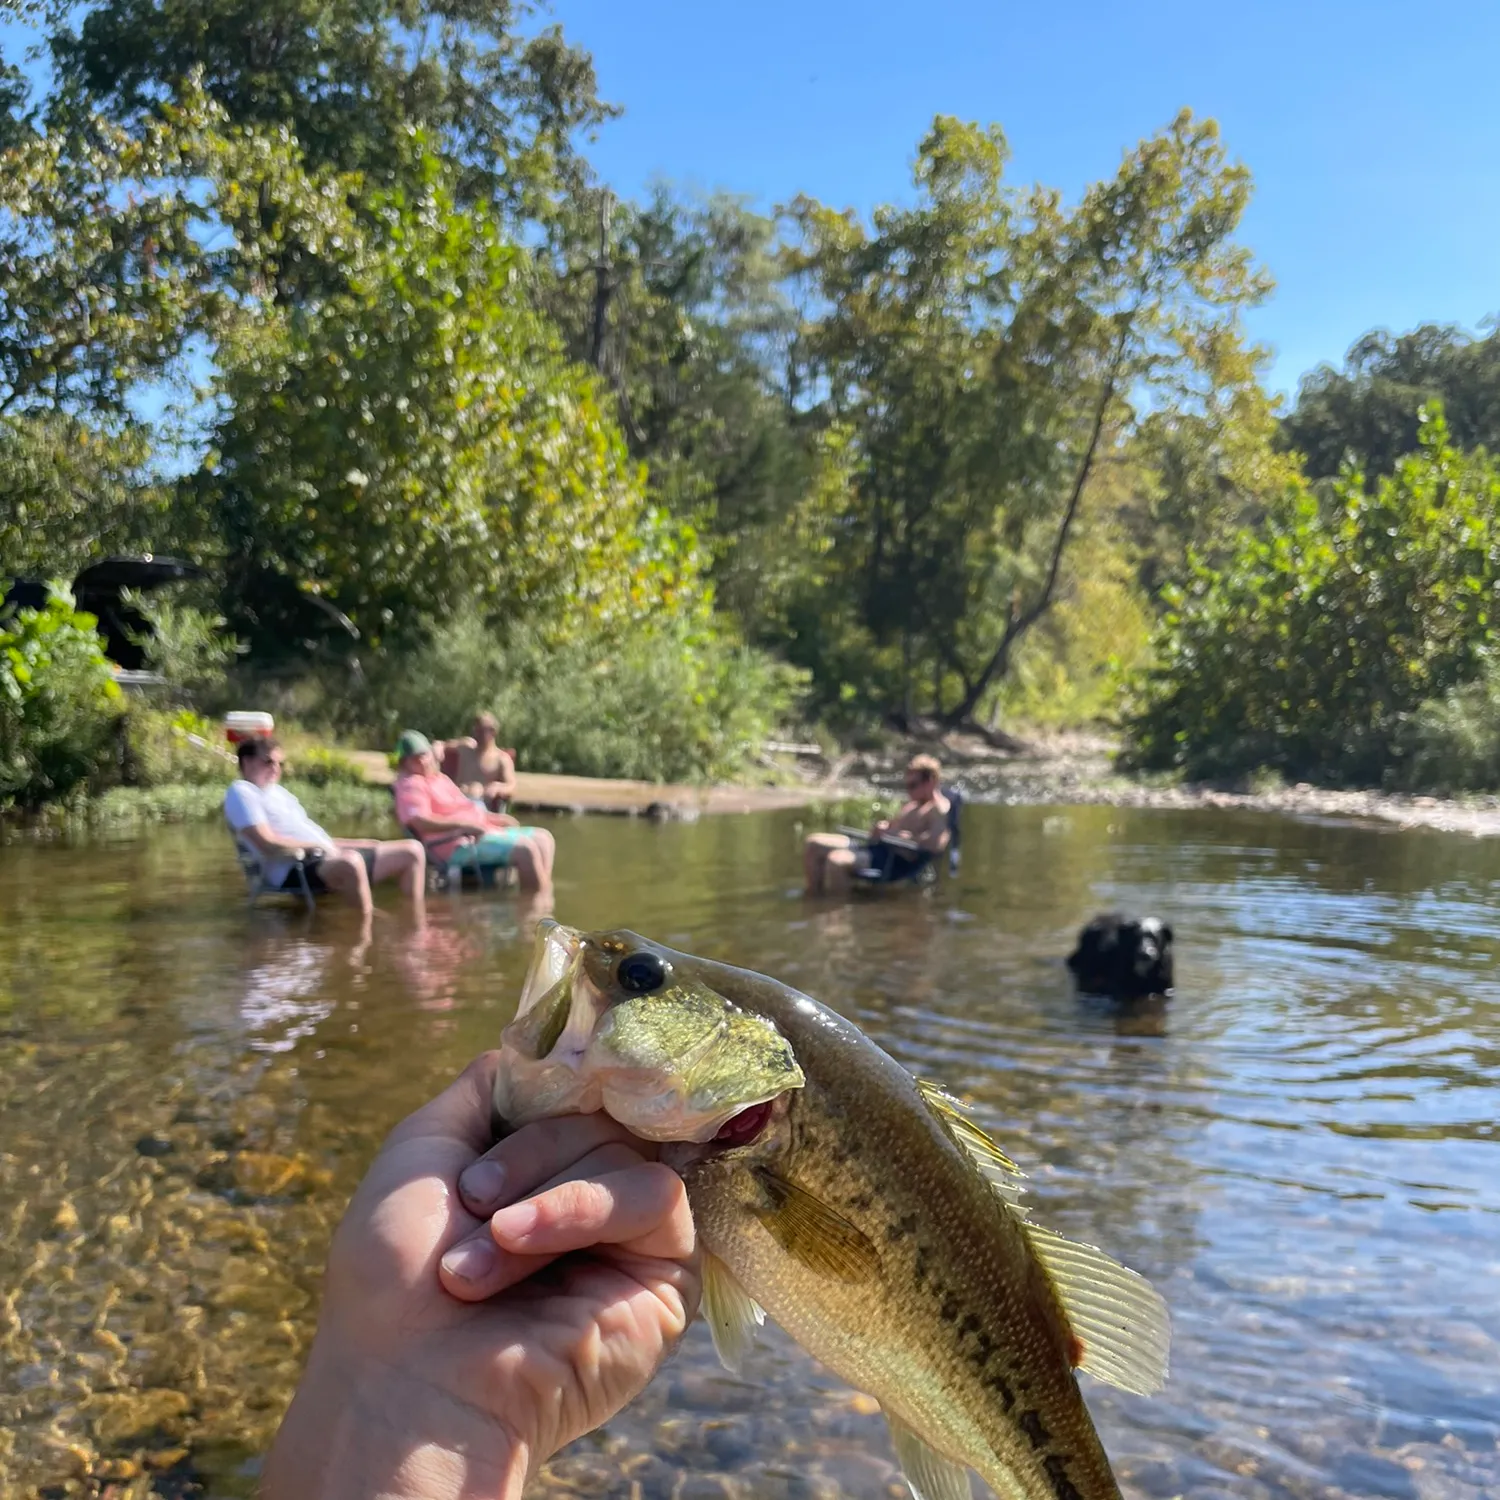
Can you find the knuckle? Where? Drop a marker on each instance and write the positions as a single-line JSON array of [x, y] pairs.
[[573, 1202], [617, 1156]]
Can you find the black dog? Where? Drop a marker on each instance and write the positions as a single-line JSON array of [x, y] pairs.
[[1120, 956]]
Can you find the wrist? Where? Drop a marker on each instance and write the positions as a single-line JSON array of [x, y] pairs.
[[361, 1430]]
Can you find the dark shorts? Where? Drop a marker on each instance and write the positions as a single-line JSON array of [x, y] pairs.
[[315, 882], [892, 863]]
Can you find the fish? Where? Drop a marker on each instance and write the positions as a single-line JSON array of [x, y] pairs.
[[864, 1211]]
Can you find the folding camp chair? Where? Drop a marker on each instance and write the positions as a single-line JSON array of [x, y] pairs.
[[918, 867], [253, 867]]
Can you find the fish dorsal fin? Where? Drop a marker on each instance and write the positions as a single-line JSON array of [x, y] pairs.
[[1118, 1317], [929, 1476], [731, 1313], [994, 1165], [812, 1232]]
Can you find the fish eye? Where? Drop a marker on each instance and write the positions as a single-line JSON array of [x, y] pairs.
[[641, 973]]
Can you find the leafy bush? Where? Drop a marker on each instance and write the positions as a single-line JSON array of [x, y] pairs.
[[187, 646], [342, 808], [171, 748], [1452, 744], [60, 706], [316, 766], [665, 702], [1321, 637]]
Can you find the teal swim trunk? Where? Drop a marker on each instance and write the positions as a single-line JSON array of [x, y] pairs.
[[492, 851]]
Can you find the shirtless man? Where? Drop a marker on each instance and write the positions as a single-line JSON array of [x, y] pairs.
[[830, 859], [484, 771]]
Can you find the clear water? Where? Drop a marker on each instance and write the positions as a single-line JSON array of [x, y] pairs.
[[1301, 1150]]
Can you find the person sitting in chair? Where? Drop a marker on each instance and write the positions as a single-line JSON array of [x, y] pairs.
[[264, 815], [434, 807], [830, 860], [482, 769]]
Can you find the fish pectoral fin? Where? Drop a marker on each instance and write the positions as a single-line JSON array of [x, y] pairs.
[[929, 1476], [994, 1165], [1117, 1316], [812, 1232], [731, 1313]]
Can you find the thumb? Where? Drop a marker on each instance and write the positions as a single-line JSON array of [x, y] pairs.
[[463, 1112]]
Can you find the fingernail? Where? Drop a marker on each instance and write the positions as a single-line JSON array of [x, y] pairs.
[[470, 1260], [482, 1184], [515, 1222]]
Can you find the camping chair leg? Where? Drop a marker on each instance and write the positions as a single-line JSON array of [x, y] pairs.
[[305, 888]]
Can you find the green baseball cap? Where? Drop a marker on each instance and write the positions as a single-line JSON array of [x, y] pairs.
[[412, 743]]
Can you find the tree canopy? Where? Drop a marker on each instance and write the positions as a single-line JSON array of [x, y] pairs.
[[503, 99], [1331, 626], [1369, 411]]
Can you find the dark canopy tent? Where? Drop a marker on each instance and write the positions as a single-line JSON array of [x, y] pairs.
[[99, 588]]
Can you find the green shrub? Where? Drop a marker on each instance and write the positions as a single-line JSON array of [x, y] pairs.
[[1326, 631], [341, 809], [60, 706], [315, 766], [165, 747], [188, 647], [670, 702], [1452, 744]]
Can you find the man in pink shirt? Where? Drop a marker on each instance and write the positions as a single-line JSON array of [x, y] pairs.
[[433, 805]]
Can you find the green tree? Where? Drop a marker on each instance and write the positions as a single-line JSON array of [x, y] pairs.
[[679, 305], [103, 285], [414, 441], [1198, 478], [984, 349], [1309, 650], [102, 279], [501, 99], [69, 490], [1368, 411]]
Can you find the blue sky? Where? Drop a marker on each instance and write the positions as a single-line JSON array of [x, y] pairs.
[[1372, 130]]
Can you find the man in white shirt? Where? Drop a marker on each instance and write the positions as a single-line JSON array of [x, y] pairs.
[[273, 822]]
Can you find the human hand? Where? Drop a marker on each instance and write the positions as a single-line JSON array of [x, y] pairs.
[[453, 1355]]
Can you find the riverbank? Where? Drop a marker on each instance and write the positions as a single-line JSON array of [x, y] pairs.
[[1052, 769], [351, 805], [1078, 768]]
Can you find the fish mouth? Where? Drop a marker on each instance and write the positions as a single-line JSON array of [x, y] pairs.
[[736, 1133], [556, 950], [542, 1048]]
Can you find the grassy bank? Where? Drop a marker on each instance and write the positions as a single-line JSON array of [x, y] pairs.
[[342, 807]]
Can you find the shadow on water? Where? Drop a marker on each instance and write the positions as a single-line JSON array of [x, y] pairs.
[[1300, 1148]]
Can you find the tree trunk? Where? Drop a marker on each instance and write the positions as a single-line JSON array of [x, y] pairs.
[[1022, 620]]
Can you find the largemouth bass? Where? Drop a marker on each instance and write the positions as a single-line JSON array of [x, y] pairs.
[[859, 1207]]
